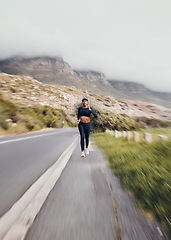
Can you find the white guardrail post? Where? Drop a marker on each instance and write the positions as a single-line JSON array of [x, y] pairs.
[[136, 136], [124, 134], [148, 137], [109, 131], [162, 137], [129, 135]]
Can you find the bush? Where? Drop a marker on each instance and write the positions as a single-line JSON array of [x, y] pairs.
[[7, 111], [47, 116], [37, 127], [109, 120], [3, 122], [32, 118], [152, 123]]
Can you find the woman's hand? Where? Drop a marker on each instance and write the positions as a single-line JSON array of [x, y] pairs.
[[89, 108]]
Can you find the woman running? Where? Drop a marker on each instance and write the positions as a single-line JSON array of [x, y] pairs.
[[83, 118]]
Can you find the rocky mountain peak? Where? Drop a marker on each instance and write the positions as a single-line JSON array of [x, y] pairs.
[[93, 77], [92, 74], [131, 87], [54, 70], [44, 69]]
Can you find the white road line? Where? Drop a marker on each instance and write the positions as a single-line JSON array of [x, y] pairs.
[[160, 232], [25, 138], [15, 223], [75, 134]]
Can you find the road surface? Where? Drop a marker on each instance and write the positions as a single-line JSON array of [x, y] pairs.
[[25, 157], [86, 203]]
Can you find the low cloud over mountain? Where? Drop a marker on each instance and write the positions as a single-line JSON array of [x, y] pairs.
[[126, 40]]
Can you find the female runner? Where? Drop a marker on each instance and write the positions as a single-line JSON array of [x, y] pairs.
[[83, 118]]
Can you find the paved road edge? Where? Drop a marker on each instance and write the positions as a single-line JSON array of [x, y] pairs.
[[15, 223]]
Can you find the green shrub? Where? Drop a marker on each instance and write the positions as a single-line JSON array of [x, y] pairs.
[[8, 108], [7, 111], [32, 118], [153, 123], [3, 122], [13, 90], [30, 124], [37, 127], [19, 128], [109, 120], [48, 116]]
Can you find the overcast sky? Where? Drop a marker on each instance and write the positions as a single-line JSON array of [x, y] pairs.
[[125, 39]]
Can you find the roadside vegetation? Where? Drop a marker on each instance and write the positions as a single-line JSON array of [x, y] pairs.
[[157, 131], [144, 169], [19, 119], [153, 123], [109, 120]]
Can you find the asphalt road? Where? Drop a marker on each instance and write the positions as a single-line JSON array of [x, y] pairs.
[[80, 205], [86, 203], [25, 157]]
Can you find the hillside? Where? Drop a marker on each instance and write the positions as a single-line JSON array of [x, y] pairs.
[[27, 91], [132, 90], [57, 71]]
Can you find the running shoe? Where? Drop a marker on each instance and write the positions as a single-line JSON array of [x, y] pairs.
[[82, 154], [87, 151]]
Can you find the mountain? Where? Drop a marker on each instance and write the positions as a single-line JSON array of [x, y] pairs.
[[57, 71], [137, 91], [44, 69]]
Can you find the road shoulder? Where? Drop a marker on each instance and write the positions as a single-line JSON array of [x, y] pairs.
[[132, 222]]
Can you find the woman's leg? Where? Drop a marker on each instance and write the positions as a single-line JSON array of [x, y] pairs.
[[81, 130], [87, 133]]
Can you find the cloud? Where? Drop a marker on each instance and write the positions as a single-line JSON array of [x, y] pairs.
[[126, 40]]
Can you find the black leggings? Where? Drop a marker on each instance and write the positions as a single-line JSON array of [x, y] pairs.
[[84, 129]]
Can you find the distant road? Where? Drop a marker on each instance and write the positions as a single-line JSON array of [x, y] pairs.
[[23, 158]]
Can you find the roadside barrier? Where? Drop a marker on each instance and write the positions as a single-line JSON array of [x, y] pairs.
[[135, 135]]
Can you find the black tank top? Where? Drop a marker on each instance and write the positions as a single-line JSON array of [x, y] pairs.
[[85, 112]]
